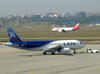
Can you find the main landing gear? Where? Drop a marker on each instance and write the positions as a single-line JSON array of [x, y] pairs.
[[53, 53], [74, 51], [44, 53]]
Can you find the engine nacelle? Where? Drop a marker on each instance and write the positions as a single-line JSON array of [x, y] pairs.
[[65, 50], [62, 30]]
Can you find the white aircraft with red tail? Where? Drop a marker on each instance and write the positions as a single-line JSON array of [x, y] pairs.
[[66, 29]]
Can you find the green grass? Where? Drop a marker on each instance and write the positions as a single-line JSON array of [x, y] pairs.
[[44, 33]]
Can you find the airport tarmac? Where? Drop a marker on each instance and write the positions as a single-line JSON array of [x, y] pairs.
[[15, 61]]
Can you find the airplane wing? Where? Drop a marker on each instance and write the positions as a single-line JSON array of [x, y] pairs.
[[59, 48]]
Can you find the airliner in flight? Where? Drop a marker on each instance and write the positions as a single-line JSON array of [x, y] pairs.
[[66, 29], [60, 46]]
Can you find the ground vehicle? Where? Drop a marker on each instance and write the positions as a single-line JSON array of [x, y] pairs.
[[92, 51]]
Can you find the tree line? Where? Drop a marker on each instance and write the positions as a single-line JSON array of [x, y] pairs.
[[81, 17]]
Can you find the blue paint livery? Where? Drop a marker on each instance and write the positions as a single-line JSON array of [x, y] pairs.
[[24, 44]]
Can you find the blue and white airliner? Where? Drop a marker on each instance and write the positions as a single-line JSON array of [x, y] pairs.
[[60, 46]]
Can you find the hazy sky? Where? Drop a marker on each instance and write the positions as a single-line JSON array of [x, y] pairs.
[[14, 7]]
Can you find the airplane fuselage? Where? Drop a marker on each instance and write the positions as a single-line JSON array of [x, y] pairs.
[[46, 45], [60, 29], [63, 46], [66, 29]]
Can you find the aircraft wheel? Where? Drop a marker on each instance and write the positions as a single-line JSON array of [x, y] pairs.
[[74, 51], [91, 51], [44, 53], [97, 52], [63, 30], [53, 53]]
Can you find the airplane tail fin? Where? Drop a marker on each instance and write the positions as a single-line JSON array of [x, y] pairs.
[[77, 26], [13, 36]]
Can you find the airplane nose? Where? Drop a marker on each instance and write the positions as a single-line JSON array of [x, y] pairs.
[[83, 45]]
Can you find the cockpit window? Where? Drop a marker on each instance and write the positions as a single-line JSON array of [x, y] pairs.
[[81, 43]]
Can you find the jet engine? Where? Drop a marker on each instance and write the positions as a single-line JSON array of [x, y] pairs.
[[65, 50]]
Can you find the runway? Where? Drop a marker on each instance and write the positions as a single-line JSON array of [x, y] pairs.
[[15, 61]]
